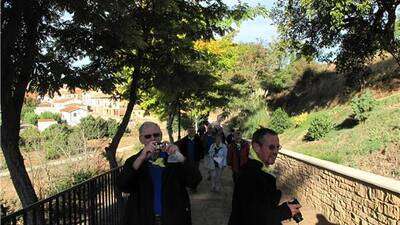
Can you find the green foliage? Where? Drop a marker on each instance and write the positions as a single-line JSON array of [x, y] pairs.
[[82, 175], [320, 126], [357, 30], [280, 121], [50, 115], [254, 121], [30, 139], [94, 128], [363, 105], [60, 139], [56, 140], [71, 180], [299, 120], [30, 117], [112, 127]]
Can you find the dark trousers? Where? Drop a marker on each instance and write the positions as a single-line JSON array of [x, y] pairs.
[[235, 176]]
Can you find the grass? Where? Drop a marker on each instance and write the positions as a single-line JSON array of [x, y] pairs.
[[345, 145]]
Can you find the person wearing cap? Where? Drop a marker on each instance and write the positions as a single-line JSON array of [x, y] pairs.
[[156, 179]]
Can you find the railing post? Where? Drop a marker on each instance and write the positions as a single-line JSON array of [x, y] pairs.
[[92, 203]]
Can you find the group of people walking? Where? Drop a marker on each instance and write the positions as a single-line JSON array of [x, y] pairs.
[[157, 178]]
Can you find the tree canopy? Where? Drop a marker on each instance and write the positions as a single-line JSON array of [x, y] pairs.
[[349, 32], [43, 40]]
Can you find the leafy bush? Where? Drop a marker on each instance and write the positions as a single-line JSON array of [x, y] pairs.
[[30, 117], [50, 115], [82, 175], [254, 121], [112, 127], [94, 128], [280, 121], [299, 119], [320, 126], [363, 105], [76, 142], [30, 139], [70, 180], [56, 140]]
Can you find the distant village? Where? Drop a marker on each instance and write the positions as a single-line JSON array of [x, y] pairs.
[[73, 106]]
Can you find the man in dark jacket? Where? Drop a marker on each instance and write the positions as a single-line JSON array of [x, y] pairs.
[[255, 198], [156, 179], [238, 153], [192, 148]]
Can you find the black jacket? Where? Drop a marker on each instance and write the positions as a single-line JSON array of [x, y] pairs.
[[175, 202], [198, 149], [255, 198]]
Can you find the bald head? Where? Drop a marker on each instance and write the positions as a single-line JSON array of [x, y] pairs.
[[146, 125]]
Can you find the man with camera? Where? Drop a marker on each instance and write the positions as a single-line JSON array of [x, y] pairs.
[[256, 198], [156, 179]]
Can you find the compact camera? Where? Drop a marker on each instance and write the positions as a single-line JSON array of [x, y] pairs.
[[298, 217], [160, 146]]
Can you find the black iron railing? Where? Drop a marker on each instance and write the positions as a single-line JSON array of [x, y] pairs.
[[95, 202]]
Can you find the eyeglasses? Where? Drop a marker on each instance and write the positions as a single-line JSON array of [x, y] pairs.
[[155, 135]]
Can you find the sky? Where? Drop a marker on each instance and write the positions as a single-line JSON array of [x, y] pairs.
[[258, 29]]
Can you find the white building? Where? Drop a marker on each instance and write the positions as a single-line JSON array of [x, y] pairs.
[[45, 123], [64, 103], [73, 114], [44, 107]]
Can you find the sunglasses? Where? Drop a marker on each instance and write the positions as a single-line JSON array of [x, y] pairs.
[[155, 135], [275, 147], [272, 147]]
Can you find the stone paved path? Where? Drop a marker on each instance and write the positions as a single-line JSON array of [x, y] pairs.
[[214, 208]]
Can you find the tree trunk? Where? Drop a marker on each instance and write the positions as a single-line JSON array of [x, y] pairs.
[[10, 128], [170, 122], [111, 150]]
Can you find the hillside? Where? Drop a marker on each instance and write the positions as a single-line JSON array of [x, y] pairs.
[[371, 146]]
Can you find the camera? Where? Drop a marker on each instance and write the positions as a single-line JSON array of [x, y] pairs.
[[297, 217], [160, 146]]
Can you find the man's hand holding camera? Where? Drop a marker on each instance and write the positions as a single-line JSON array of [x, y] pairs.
[[153, 148]]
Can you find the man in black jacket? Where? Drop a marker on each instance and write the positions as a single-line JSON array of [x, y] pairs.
[[156, 179], [192, 148], [255, 198]]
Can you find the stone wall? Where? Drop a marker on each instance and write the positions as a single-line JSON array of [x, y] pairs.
[[342, 194]]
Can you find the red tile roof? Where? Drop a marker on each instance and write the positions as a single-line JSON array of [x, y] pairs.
[[46, 120], [71, 108]]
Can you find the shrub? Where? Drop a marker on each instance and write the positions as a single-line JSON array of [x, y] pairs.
[[254, 121], [30, 117], [56, 140], [363, 105], [280, 121], [94, 128], [76, 142], [30, 139], [320, 126], [112, 127], [299, 119], [50, 115]]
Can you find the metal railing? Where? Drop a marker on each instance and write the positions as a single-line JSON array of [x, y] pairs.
[[94, 202]]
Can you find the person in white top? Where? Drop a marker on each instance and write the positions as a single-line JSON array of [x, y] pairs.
[[217, 162]]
